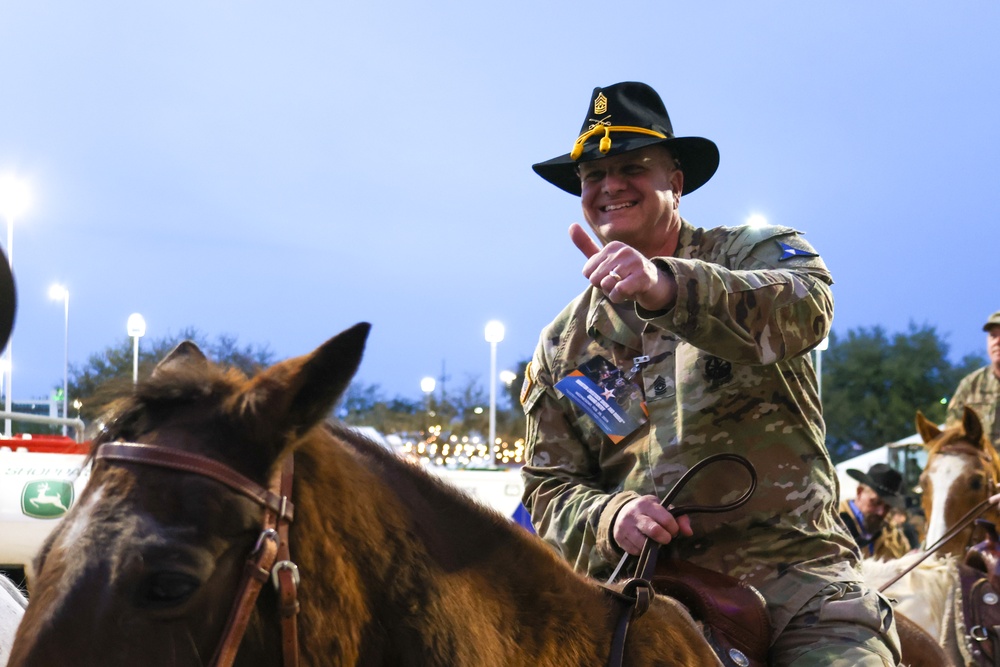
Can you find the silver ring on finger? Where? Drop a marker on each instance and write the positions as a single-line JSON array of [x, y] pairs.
[[614, 274]]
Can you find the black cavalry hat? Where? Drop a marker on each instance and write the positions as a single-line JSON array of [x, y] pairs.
[[885, 481], [622, 118]]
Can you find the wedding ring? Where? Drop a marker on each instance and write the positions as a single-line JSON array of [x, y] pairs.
[[614, 274]]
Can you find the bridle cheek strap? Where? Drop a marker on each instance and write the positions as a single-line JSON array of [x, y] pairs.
[[285, 575], [270, 557]]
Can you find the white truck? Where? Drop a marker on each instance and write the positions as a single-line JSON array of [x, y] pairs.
[[40, 479]]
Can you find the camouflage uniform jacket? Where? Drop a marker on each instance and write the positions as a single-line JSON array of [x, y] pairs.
[[728, 371], [980, 390]]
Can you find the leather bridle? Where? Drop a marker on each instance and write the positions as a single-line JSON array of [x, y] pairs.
[[269, 558]]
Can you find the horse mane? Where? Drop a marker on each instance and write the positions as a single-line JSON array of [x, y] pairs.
[[427, 495], [188, 383], [182, 384]]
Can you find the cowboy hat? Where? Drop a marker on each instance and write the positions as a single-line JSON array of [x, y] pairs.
[[625, 117], [884, 481]]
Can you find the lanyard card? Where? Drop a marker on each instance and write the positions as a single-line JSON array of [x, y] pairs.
[[607, 395]]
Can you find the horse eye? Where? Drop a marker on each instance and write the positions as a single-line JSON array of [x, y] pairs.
[[975, 483], [167, 588]]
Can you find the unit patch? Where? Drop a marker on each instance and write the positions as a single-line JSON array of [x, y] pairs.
[[787, 252], [718, 371]]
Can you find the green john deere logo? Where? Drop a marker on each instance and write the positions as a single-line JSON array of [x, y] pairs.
[[46, 498]]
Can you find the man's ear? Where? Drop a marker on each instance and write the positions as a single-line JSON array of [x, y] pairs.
[[677, 185]]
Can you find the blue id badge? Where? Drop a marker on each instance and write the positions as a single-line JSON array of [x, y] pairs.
[[608, 396]]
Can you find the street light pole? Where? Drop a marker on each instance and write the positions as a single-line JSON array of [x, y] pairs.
[[9, 359], [136, 327], [60, 292], [427, 385], [494, 334], [14, 199]]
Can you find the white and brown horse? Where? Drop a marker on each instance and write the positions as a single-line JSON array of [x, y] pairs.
[[961, 475]]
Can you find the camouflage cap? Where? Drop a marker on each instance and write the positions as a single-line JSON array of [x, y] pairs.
[[994, 321]]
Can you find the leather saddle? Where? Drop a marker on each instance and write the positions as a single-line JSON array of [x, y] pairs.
[[734, 614], [980, 585]]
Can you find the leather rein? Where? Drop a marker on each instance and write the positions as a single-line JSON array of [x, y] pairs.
[[637, 593], [269, 558]]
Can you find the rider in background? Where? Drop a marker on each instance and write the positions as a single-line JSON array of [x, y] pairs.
[[713, 326], [867, 516], [980, 390]]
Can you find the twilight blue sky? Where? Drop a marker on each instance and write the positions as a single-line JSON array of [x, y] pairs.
[[280, 171]]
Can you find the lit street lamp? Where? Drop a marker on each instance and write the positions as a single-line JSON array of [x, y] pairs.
[[57, 292], [427, 386], [494, 334], [14, 200], [136, 327]]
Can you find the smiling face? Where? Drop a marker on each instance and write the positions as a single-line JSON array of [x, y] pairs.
[[633, 198]]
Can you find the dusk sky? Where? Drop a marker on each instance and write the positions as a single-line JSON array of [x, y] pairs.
[[280, 171]]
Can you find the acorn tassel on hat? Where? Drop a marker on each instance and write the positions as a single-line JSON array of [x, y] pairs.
[[625, 117]]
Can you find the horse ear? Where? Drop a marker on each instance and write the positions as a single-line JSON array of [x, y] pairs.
[[184, 354], [297, 394], [973, 427], [927, 429]]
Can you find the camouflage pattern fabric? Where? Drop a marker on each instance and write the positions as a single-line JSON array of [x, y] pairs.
[[728, 372], [979, 390]]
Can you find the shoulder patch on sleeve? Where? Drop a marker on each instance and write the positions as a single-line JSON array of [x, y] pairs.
[[788, 251], [529, 380]]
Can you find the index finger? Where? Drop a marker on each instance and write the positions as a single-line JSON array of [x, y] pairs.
[[581, 239]]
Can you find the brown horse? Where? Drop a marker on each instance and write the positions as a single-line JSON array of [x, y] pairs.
[[396, 568]]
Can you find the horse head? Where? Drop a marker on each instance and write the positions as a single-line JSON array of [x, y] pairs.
[[144, 569], [963, 469]]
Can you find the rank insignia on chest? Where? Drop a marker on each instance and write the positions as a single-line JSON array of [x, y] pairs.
[[787, 252]]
